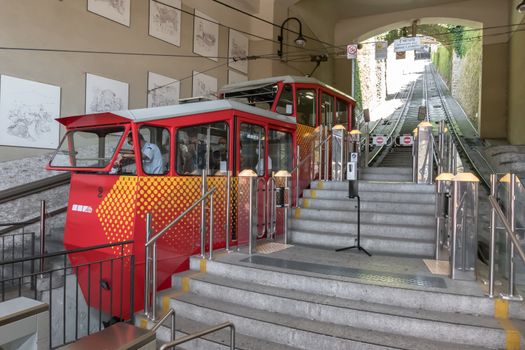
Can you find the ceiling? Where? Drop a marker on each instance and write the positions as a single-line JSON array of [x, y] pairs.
[[342, 9]]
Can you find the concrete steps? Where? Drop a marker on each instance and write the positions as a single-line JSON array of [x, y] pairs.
[[397, 218], [395, 174], [272, 305]]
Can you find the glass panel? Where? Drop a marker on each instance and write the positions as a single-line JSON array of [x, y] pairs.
[[252, 145], [327, 110], [280, 149], [259, 96], [192, 147], [306, 106], [341, 113], [154, 149], [285, 103], [92, 148]]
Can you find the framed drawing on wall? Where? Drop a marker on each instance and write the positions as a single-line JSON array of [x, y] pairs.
[[165, 20], [235, 77], [204, 85], [238, 51], [162, 90], [115, 10], [104, 95], [27, 113], [206, 36]]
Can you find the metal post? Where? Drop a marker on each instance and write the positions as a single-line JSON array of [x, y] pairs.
[[250, 218], [492, 256], [227, 226], [42, 233], [512, 221], [320, 160], [204, 189], [211, 226], [154, 283], [297, 177], [286, 211], [147, 273], [326, 154], [367, 145]]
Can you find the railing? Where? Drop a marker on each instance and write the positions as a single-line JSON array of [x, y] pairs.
[[157, 325], [60, 289], [150, 276], [310, 176], [203, 333], [510, 231]]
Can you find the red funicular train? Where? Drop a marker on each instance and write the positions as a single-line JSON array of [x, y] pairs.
[[129, 163]]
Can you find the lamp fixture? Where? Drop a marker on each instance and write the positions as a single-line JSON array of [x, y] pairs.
[[521, 7], [299, 41]]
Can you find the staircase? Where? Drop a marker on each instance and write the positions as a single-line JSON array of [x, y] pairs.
[[397, 216], [307, 298]]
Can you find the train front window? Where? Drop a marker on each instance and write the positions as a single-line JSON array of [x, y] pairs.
[[306, 106], [341, 113], [285, 103], [88, 148], [203, 147], [261, 96]]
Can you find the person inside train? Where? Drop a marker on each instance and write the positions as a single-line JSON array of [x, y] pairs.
[[151, 157], [260, 164]]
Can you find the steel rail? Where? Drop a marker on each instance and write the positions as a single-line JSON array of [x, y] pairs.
[[17, 225], [38, 186], [453, 127], [402, 116]]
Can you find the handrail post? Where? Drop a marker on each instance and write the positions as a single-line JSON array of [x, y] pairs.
[[512, 221], [154, 282], [250, 218], [204, 188], [211, 226], [326, 154], [320, 160], [493, 186], [297, 177], [42, 233], [227, 226], [147, 272]]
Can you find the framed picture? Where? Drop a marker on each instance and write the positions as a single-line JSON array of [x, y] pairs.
[[115, 10], [206, 36], [204, 85], [238, 51], [165, 20], [27, 113], [104, 95], [162, 90], [235, 77]]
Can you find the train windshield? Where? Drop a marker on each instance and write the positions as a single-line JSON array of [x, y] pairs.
[[88, 148], [261, 96]]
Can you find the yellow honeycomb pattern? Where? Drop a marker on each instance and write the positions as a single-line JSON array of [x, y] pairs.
[[124, 210]]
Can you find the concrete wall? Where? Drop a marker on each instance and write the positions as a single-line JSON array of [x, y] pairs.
[[488, 13], [516, 102]]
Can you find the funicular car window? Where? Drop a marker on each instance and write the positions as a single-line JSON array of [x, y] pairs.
[[341, 113], [154, 149], [88, 148], [253, 146], [259, 96], [280, 150], [285, 102], [194, 143], [306, 106]]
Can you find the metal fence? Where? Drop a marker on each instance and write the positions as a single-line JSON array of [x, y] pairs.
[[86, 289]]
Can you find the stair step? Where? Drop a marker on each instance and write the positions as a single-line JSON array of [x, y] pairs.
[[383, 170], [384, 230], [424, 248], [369, 186], [386, 177], [394, 197], [294, 331], [366, 217], [379, 207], [464, 329]]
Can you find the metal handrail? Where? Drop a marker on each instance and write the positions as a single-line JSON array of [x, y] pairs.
[[203, 333], [311, 153], [179, 218], [157, 325], [37, 186], [151, 243]]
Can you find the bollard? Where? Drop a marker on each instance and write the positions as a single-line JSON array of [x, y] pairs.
[[464, 239], [443, 182], [282, 179], [247, 189], [339, 152], [424, 156]]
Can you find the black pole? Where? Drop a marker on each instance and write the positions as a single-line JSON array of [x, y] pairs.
[[358, 245]]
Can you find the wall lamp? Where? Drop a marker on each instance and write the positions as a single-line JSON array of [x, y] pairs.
[[299, 41], [521, 7]]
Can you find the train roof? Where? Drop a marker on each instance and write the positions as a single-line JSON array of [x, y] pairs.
[[253, 84], [157, 113]]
